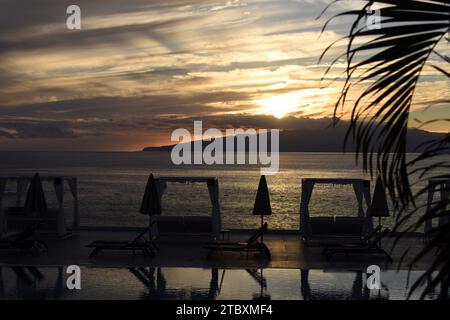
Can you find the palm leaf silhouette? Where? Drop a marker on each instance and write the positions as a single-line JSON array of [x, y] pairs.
[[385, 65]]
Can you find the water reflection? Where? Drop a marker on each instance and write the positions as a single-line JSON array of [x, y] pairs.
[[158, 283], [358, 290], [155, 282], [258, 276], [24, 282]]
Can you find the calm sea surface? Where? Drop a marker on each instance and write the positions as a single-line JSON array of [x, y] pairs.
[[111, 186]]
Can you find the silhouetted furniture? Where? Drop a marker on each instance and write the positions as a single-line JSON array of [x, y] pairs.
[[362, 241], [24, 241], [249, 246], [18, 217], [54, 221], [324, 229], [331, 229], [370, 247], [146, 246]]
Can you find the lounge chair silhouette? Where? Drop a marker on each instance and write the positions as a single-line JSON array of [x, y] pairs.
[[137, 244], [362, 241], [369, 247], [24, 241], [249, 246]]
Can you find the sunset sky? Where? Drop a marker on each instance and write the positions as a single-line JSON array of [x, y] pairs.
[[139, 69]]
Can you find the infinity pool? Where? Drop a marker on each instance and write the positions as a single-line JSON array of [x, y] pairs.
[[198, 284]]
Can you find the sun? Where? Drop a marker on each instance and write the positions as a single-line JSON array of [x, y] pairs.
[[278, 106], [282, 105]]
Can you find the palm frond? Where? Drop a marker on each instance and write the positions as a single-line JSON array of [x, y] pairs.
[[392, 58], [384, 66]]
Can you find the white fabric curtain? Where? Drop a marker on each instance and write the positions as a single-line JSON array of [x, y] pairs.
[[359, 197], [21, 185], [161, 186], [73, 187]]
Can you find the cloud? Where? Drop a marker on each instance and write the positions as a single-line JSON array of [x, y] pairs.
[[31, 129], [138, 68]]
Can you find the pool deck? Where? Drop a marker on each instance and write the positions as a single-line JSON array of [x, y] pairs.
[[287, 250]]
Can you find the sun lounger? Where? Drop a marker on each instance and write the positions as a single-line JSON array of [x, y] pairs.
[[362, 241], [249, 246], [137, 244], [370, 247], [24, 241]]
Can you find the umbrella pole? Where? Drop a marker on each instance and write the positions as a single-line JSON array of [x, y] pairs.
[[149, 231], [379, 224], [262, 223]]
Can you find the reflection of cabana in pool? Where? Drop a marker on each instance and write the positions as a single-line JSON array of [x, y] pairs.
[[53, 220], [357, 291], [334, 228], [155, 282], [191, 224], [25, 282]]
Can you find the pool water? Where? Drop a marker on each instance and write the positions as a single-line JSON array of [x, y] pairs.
[[200, 284]]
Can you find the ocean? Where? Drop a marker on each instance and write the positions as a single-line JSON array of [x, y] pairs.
[[111, 186]]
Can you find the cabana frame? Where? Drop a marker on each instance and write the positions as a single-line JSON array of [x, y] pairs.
[[59, 182], [213, 190], [361, 188]]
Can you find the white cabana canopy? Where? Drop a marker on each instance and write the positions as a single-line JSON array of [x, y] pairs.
[[21, 186], [213, 190]]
